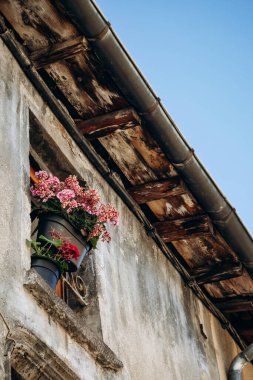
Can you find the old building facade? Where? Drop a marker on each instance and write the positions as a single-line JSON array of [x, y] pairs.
[[143, 318]]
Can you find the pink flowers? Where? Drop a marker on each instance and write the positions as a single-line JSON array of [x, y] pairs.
[[65, 196], [107, 213], [79, 205], [72, 183], [89, 201], [46, 187]]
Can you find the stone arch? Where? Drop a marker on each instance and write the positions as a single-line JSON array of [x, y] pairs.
[[32, 359]]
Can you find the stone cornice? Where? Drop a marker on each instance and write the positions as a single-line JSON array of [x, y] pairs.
[[60, 312]]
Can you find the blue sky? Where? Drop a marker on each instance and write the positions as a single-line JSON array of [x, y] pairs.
[[197, 55]]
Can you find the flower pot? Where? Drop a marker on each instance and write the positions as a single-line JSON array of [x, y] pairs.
[[47, 268], [57, 222]]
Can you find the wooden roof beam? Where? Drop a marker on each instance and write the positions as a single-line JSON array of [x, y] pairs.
[[185, 228], [59, 51], [219, 272], [159, 189], [108, 123], [236, 304]]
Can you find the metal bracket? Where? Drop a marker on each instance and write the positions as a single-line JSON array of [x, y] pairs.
[[77, 286]]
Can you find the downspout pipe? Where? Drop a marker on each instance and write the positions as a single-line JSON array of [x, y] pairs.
[[92, 24], [236, 367]]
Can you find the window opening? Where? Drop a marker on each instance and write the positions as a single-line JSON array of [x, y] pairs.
[[70, 285], [78, 289]]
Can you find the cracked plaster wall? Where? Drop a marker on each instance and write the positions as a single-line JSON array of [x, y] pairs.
[[149, 318]]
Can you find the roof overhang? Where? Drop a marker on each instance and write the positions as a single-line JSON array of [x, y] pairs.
[[71, 53]]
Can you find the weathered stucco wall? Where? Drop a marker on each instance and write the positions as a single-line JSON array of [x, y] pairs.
[[153, 323]]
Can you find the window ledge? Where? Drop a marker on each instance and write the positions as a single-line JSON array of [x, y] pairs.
[[62, 314]]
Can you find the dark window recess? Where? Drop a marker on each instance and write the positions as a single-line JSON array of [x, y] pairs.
[[15, 375], [78, 289]]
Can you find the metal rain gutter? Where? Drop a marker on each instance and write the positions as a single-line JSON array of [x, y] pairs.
[[236, 367], [133, 85]]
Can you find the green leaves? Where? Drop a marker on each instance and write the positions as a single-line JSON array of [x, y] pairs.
[[94, 241], [55, 243], [46, 250], [35, 245], [81, 219]]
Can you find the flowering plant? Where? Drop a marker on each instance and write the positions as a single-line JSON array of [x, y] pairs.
[[78, 204], [58, 249]]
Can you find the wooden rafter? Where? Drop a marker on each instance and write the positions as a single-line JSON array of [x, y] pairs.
[[236, 304], [157, 190], [106, 124], [186, 228], [217, 273], [54, 53]]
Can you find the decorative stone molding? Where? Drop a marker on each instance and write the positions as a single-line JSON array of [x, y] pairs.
[[32, 359], [62, 314]]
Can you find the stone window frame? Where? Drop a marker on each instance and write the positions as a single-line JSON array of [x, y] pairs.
[[46, 155], [77, 294], [79, 326]]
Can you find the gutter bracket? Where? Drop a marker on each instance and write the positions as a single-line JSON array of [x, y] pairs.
[[181, 165], [101, 35]]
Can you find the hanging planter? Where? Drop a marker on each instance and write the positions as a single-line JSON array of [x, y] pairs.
[[77, 204], [52, 256], [47, 268], [52, 222], [71, 221]]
